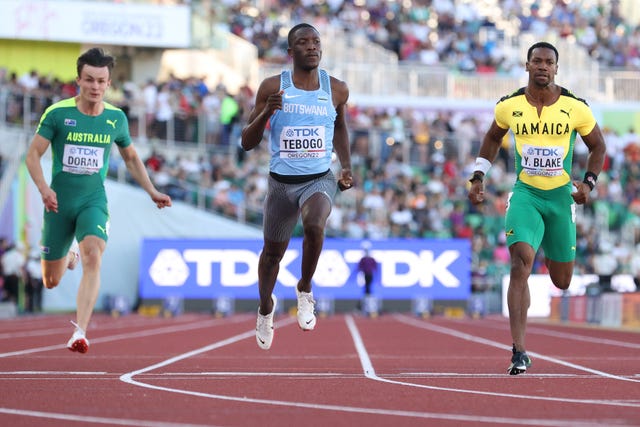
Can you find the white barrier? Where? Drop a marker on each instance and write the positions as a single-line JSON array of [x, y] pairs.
[[542, 289]]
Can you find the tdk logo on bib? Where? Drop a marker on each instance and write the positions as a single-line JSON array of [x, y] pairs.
[[303, 132], [83, 151], [302, 142], [208, 268]]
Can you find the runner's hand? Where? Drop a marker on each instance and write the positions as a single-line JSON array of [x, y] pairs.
[[50, 200], [345, 181], [161, 200], [581, 195], [476, 192]]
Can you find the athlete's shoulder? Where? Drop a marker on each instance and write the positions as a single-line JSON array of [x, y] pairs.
[[336, 81], [111, 107], [339, 87], [515, 93], [114, 113], [566, 92], [270, 84], [62, 104]]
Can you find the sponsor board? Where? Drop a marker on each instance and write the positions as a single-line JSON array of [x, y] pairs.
[[206, 268]]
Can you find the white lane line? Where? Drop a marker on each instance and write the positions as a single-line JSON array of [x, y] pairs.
[[203, 375], [33, 350], [347, 375], [367, 367], [51, 373], [332, 375], [96, 420], [138, 334], [37, 331], [129, 378], [369, 372], [540, 330], [452, 332], [576, 337]]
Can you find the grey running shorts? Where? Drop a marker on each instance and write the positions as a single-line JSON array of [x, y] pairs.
[[283, 202]]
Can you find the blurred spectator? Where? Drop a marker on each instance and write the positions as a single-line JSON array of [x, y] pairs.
[[29, 81], [605, 265], [13, 261], [501, 251], [211, 109], [150, 103], [34, 284], [229, 115], [368, 267], [165, 102], [634, 266], [154, 162]]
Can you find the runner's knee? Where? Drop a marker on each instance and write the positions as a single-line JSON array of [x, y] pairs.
[[561, 281], [270, 258], [50, 281], [313, 231], [561, 278], [560, 273]]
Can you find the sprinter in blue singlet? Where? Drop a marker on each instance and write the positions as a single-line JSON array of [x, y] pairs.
[[305, 110]]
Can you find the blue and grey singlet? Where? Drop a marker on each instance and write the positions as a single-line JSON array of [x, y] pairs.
[[301, 134]]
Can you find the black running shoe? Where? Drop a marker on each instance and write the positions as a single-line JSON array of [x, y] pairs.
[[520, 361]]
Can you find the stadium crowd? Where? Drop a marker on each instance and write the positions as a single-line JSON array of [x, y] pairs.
[[446, 32], [411, 166]]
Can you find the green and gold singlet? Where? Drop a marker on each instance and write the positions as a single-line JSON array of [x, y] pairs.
[[541, 211], [80, 147]]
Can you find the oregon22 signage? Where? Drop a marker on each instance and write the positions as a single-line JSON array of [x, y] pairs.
[[208, 268]]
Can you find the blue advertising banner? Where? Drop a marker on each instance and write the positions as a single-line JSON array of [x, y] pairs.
[[208, 268]]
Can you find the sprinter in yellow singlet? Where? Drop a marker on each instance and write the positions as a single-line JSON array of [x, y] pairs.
[[545, 119]]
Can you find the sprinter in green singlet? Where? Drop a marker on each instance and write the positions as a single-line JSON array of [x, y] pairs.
[[545, 119], [81, 132]]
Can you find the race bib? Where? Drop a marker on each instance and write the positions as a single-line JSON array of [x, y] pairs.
[[542, 161], [82, 160], [302, 142]]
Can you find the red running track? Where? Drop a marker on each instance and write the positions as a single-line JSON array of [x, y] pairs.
[[395, 370]]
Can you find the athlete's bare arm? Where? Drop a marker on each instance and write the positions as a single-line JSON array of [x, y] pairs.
[[492, 142], [489, 150], [341, 145], [268, 100], [38, 147], [138, 171], [597, 150]]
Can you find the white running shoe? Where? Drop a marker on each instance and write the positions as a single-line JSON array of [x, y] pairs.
[[74, 255], [306, 308], [264, 327], [78, 341]]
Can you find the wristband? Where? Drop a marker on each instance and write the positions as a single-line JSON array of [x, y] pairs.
[[477, 176], [590, 179], [483, 165]]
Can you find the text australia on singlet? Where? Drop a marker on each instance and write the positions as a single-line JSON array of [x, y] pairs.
[[84, 159], [544, 160], [303, 141]]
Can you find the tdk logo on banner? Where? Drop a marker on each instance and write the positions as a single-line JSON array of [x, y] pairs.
[[200, 268], [171, 268]]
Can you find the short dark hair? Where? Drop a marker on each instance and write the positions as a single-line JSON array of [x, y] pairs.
[[96, 57], [544, 45], [296, 28]]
